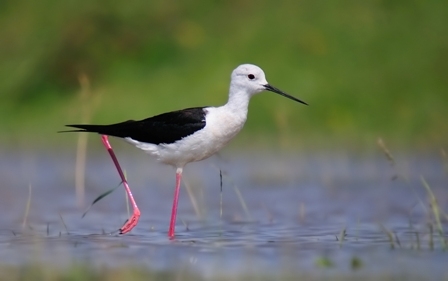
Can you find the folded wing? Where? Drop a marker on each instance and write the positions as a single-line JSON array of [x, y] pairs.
[[164, 128]]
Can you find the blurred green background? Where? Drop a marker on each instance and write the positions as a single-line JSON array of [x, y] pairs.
[[368, 69]]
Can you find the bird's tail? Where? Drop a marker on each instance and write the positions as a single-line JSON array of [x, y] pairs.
[[100, 129]]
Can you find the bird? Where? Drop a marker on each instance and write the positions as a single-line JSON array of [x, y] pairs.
[[193, 134]]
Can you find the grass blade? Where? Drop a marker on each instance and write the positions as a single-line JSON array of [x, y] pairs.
[[435, 211], [99, 198], [220, 194], [27, 209]]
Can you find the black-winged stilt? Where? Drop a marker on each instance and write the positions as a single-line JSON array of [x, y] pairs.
[[193, 134]]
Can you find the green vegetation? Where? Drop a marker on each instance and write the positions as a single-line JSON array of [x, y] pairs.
[[367, 68], [86, 273]]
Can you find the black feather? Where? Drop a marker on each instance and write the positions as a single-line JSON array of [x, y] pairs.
[[164, 128]]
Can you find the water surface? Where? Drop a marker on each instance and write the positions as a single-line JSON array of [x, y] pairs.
[[279, 213]]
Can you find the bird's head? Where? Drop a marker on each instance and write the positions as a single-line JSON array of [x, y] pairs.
[[250, 79]]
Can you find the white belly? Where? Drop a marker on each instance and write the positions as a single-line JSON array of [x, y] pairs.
[[220, 128]]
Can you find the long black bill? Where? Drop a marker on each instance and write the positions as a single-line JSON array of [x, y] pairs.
[[275, 90]]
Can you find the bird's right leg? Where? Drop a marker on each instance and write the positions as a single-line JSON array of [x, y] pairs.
[[171, 231], [133, 220]]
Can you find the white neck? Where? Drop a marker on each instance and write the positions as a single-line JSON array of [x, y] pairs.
[[238, 102]]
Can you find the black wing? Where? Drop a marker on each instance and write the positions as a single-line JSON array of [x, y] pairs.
[[164, 128]]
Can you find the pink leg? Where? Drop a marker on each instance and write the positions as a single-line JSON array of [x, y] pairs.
[[175, 201], [133, 220]]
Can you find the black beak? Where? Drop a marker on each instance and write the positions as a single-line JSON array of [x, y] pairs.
[[275, 90]]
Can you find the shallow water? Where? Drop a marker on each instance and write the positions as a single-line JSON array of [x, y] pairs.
[[291, 215]]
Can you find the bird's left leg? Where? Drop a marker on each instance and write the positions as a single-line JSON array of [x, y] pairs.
[[133, 220]]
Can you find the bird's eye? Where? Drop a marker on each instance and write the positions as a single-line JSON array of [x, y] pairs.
[[251, 76]]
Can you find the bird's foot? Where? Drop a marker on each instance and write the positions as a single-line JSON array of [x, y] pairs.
[[131, 222]]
